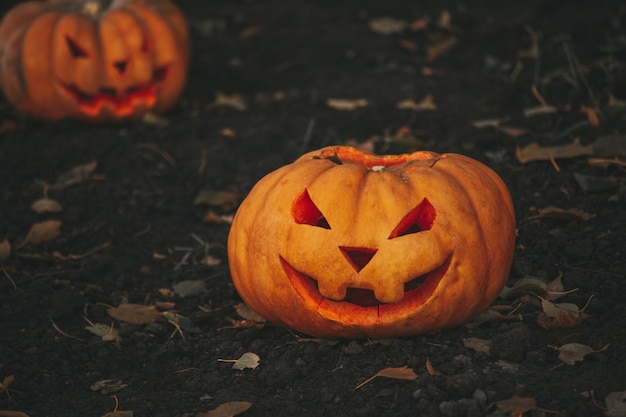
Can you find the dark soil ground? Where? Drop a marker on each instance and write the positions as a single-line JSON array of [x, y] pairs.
[[133, 232]]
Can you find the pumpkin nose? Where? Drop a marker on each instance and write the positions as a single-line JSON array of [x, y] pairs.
[[120, 66], [358, 257]]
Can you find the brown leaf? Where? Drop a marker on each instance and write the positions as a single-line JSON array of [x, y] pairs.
[[5, 249], [445, 22], [41, 232], [387, 25], [107, 333], [559, 315], [555, 288], [46, 205], [592, 116], [229, 409], [212, 217], [248, 360], [108, 386], [342, 104], [230, 101], [534, 152], [135, 313], [247, 313], [430, 369], [250, 32], [419, 24], [616, 404], [479, 345], [571, 353], [77, 174], [403, 372], [425, 104], [513, 132], [7, 413], [515, 405], [538, 110], [557, 213], [436, 50]]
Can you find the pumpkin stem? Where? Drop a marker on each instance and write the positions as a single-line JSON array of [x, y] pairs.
[[92, 8]]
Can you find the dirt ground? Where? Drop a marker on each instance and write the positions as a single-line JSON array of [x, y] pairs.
[[132, 230]]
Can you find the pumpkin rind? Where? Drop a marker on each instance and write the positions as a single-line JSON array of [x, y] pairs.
[[96, 60], [297, 274]]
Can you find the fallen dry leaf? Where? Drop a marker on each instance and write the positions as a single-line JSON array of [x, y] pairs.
[[513, 132], [190, 288], [592, 115], [557, 213], [231, 101], [46, 205], [436, 50], [212, 217], [555, 288], [135, 313], [180, 322], [420, 24], [483, 123], [425, 104], [387, 25], [250, 31], [403, 372], [248, 360], [247, 313], [41, 232], [7, 413], [108, 386], [155, 120], [559, 315], [5, 249], [444, 21], [571, 353], [107, 332], [479, 345], [534, 152], [229, 409], [78, 174], [515, 405], [430, 369], [342, 104], [615, 404], [538, 110]]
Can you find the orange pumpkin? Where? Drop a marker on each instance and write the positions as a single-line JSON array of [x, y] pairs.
[[98, 60], [345, 243]]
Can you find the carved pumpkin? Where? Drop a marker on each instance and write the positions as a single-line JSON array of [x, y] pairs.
[[99, 60], [345, 243]]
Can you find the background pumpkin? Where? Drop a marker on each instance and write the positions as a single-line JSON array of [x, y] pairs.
[[344, 243], [99, 60]]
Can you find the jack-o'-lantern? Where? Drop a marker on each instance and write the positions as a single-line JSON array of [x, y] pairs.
[[96, 60], [345, 243]]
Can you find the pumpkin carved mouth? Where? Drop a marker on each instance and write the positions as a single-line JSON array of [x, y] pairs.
[[416, 292], [123, 104]]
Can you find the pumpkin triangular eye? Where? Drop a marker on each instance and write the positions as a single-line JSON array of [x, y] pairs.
[[76, 50], [419, 218], [304, 211]]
